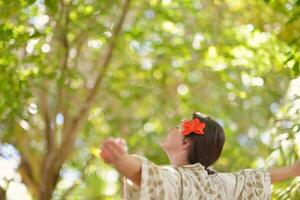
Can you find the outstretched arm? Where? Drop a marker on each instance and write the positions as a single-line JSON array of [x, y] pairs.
[[283, 173], [114, 152]]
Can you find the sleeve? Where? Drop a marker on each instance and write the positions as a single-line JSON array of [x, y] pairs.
[[152, 183], [254, 184]]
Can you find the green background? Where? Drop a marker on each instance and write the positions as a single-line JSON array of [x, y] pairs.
[[73, 73]]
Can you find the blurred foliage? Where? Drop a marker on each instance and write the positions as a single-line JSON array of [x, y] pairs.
[[231, 59]]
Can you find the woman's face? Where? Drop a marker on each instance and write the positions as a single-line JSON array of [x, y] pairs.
[[173, 140]]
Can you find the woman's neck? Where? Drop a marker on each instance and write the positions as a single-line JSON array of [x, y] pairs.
[[178, 160]]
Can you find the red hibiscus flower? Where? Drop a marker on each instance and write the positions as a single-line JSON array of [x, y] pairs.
[[195, 126]]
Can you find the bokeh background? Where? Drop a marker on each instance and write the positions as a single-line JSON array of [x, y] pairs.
[[74, 72]]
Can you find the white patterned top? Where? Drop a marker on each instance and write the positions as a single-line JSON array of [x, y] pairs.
[[191, 182]]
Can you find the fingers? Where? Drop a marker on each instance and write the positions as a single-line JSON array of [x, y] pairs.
[[123, 144], [115, 147], [112, 150], [105, 157]]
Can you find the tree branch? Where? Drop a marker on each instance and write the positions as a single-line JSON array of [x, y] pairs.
[[49, 175], [62, 106], [47, 120], [82, 179], [27, 175], [70, 134]]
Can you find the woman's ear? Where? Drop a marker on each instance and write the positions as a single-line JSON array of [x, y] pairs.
[[186, 142]]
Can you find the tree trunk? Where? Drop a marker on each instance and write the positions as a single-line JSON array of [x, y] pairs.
[[57, 154], [2, 194]]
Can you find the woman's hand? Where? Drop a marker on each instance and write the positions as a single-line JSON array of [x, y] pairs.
[[282, 173], [297, 168], [113, 150]]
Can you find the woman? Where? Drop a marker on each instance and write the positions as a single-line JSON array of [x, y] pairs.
[[191, 147]]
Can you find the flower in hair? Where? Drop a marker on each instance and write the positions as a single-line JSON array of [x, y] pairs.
[[195, 126]]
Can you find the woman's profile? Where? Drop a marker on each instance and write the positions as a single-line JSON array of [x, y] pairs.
[[192, 147]]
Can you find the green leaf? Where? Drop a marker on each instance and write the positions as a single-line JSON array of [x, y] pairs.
[[267, 1], [294, 17], [296, 68], [52, 5], [289, 58]]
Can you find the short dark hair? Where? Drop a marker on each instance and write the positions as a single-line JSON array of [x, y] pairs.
[[207, 148]]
